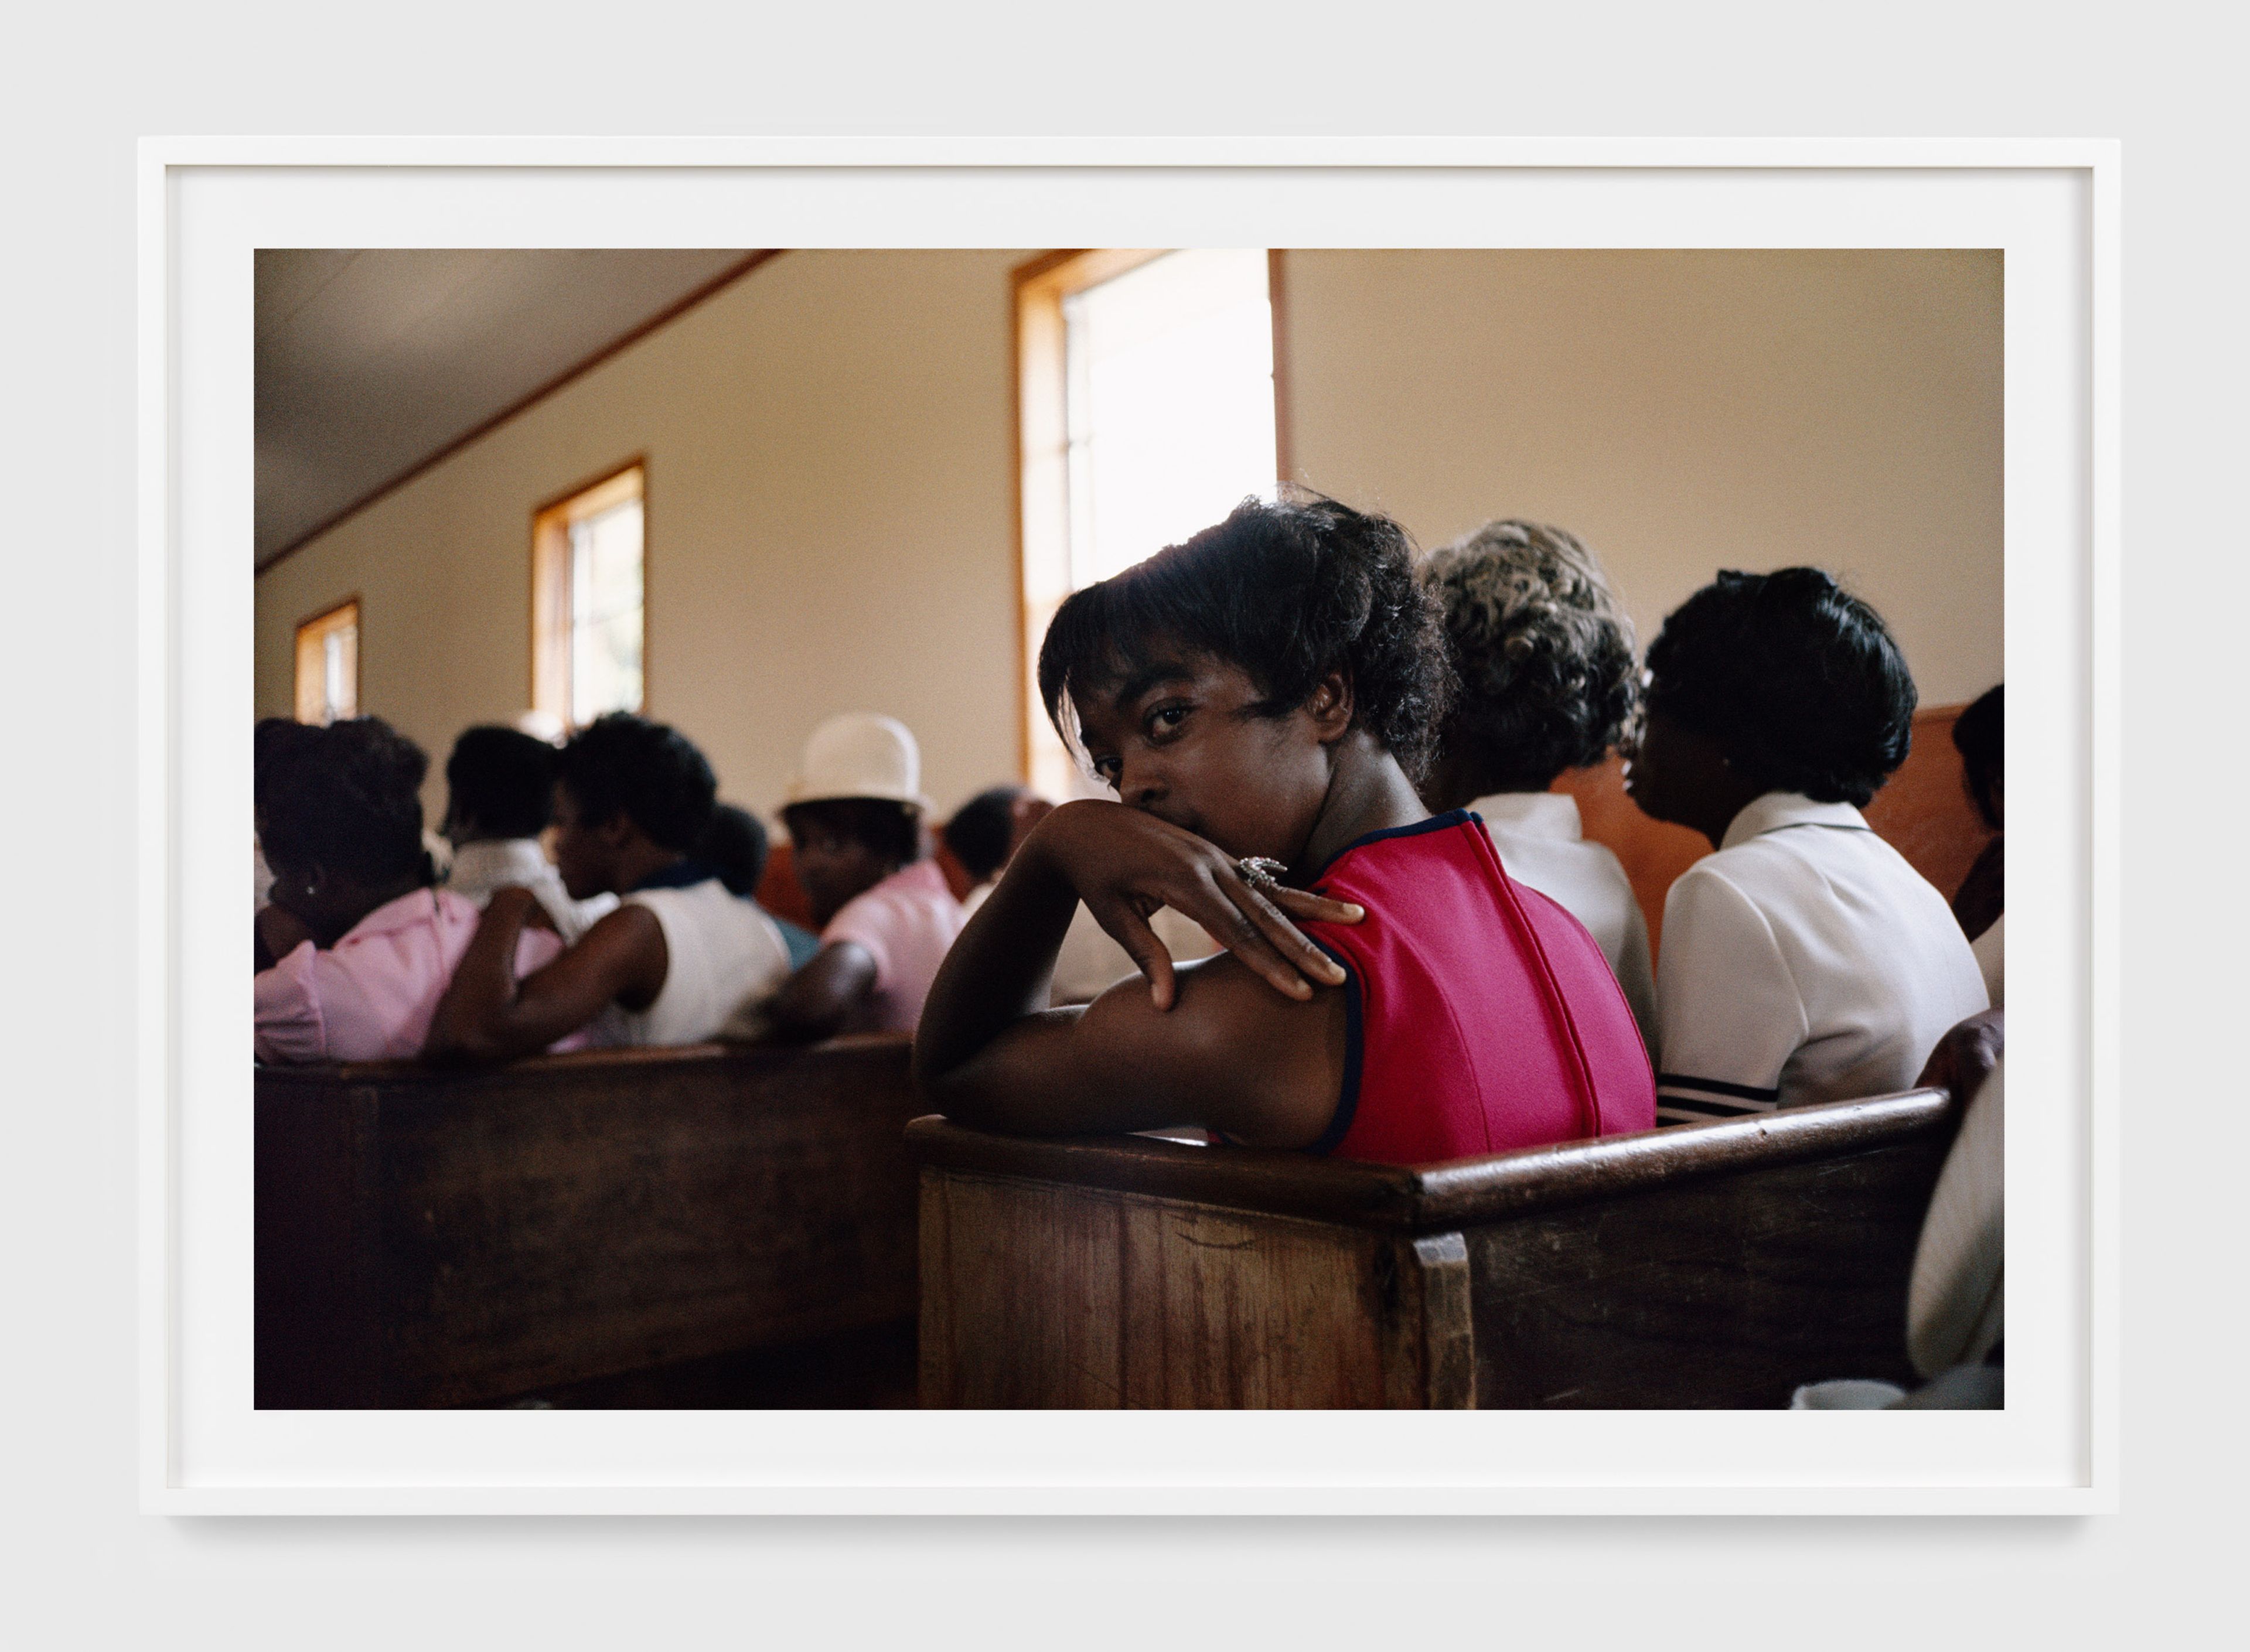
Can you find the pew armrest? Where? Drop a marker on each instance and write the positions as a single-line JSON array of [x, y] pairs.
[[1435, 1198]]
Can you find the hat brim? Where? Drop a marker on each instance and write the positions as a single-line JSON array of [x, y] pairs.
[[800, 793]]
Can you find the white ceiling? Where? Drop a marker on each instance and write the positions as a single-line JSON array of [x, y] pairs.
[[371, 362]]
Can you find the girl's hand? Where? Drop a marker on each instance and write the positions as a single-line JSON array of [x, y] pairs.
[[1125, 863]]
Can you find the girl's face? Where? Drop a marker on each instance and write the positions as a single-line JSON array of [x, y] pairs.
[[1182, 741]]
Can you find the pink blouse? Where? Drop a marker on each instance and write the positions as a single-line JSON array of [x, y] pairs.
[[371, 996]]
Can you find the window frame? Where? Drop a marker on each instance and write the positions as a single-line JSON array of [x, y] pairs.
[[551, 523], [1041, 380], [318, 625]]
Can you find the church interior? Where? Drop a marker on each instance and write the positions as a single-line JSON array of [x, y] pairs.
[[778, 501]]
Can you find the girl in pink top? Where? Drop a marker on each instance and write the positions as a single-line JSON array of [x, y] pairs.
[[356, 948], [885, 914]]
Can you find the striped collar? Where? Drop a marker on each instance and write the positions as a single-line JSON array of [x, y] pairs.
[[1778, 810]]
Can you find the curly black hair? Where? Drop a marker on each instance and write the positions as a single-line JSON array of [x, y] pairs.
[[1977, 736], [979, 832], [1799, 681], [651, 774], [1289, 592], [502, 780], [734, 843], [1543, 648], [347, 798]]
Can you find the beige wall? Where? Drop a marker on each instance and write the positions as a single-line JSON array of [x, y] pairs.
[[1681, 412], [831, 527], [830, 480]]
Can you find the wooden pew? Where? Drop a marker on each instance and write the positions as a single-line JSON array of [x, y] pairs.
[[429, 1238], [1704, 1266]]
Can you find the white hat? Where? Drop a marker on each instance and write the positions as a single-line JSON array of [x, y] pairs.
[[860, 754]]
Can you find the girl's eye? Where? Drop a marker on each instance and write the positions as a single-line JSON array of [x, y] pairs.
[[1167, 718], [1107, 768]]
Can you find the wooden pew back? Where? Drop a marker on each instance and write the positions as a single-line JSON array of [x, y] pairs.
[[441, 1237], [1709, 1266]]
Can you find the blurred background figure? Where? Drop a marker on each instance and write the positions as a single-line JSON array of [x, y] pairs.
[[885, 911], [500, 800], [1978, 735]]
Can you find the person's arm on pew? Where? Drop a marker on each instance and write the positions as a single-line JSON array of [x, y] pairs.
[[1210, 1043], [818, 1000], [487, 1014], [1965, 1057]]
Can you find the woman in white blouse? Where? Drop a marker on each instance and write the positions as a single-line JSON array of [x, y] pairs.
[[1545, 655], [1803, 961]]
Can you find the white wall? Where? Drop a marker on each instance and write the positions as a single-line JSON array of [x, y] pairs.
[[831, 527], [1681, 412], [831, 512]]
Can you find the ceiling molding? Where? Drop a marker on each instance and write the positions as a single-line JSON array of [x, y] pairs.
[[578, 370]]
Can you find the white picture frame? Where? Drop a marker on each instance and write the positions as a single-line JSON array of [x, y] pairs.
[[204, 204]]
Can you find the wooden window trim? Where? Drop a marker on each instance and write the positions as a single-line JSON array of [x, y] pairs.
[[551, 579], [1042, 491], [315, 623]]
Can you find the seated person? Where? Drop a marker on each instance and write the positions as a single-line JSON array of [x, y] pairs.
[[676, 959], [267, 740], [1089, 960], [885, 913], [734, 846], [1258, 697], [1548, 681], [1978, 736], [1806, 960], [982, 833], [500, 796], [355, 945]]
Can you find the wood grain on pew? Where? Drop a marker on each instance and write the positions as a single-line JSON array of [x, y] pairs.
[[1712, 1265], [430, 1237]]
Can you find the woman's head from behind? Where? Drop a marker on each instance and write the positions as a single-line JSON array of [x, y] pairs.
[[1544, 651], [626, 791], [1217, 683], [339, 820], [1979, 736], [1771, 682]]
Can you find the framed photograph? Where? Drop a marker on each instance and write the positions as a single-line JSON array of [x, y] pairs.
[[799, 447]]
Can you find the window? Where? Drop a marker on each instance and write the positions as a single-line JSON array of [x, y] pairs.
[[327, 665], [587, 558], [1148, 412]]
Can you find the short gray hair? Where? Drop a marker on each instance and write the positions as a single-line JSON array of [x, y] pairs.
[[1543, 648]]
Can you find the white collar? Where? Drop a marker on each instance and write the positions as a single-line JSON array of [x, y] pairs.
[[1777, 809], [1536, 814], [500, 855]]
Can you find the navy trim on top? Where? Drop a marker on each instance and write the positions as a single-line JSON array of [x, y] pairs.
[[1435, 824], [1348, 1102], [1686, 1081], [684, 873]]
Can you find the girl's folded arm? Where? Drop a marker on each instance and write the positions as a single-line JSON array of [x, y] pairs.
[[1230, 1054]]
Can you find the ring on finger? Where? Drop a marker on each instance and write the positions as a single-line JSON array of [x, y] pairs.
[[1260, 871]]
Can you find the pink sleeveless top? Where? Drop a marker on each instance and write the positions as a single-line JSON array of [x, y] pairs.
[[1482, 1016]]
